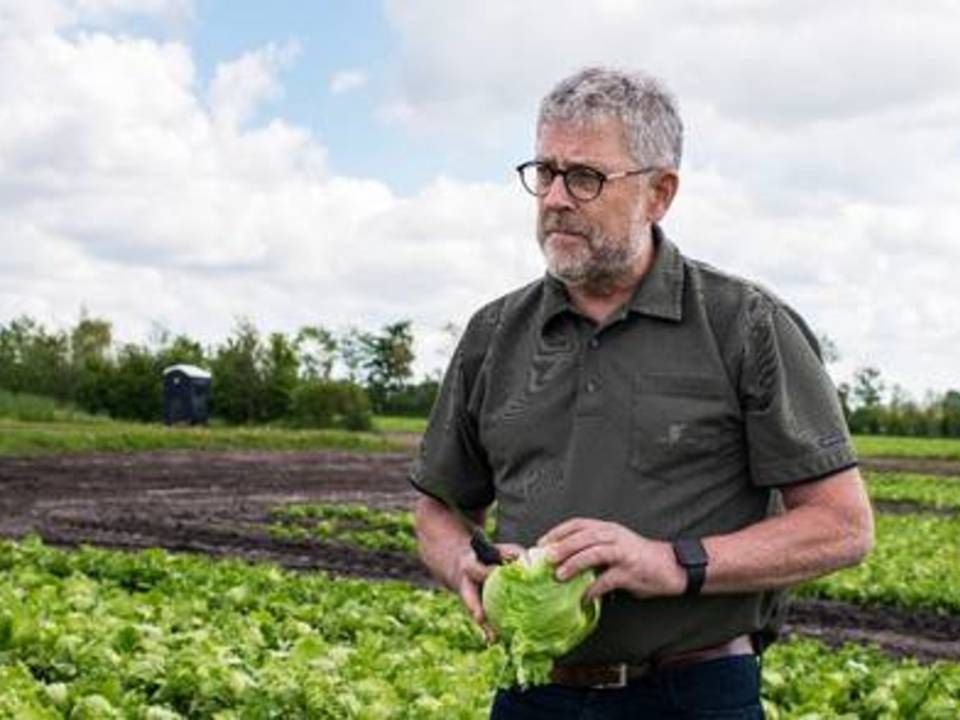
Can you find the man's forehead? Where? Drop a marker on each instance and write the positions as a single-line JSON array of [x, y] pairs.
[[576, 140]]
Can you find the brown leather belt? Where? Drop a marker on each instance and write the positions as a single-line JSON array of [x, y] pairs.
[[618, 675]]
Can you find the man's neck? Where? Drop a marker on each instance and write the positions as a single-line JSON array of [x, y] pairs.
[[599, 303]]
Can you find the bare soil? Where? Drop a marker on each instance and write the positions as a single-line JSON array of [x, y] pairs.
[[909, 507], [219, 503], [212, 502], [922, 635], [923, 466]]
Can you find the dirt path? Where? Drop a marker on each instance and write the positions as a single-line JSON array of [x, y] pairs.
[[219, 504]]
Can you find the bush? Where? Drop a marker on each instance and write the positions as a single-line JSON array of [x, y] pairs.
[[327, 403], [412, 400], [27, 407]]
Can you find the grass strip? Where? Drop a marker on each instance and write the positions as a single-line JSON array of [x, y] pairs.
[[907, 447], [392, 423], [27, 438]]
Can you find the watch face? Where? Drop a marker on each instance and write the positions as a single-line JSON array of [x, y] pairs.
[[690, 552]]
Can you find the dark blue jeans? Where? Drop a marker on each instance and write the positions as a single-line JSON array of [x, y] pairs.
[[721, 689]]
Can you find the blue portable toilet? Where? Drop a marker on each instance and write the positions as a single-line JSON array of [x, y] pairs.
[[186, 394]]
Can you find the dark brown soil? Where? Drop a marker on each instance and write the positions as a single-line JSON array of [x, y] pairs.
[[215, 503], [922, 635], [923, 466], [910, 507], [219, 504]]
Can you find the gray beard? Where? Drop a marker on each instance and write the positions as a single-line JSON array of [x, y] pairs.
[[609, 266]]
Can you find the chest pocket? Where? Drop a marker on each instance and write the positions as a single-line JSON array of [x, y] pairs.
[[683, 425]]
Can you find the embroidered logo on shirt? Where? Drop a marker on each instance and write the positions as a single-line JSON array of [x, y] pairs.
[[828, 441]]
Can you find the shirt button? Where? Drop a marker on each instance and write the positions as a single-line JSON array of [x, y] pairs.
[[593, 343]]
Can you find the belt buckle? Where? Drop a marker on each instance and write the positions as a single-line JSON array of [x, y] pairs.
[[620, 682]]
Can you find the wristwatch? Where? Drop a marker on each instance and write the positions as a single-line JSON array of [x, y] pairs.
[[692, 557]]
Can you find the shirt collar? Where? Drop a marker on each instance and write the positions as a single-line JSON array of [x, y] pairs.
[[659, 293]]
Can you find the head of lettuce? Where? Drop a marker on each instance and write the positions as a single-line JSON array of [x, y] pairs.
[[537, 617]]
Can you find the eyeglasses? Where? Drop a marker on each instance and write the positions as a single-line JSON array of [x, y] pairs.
[[582, 182]]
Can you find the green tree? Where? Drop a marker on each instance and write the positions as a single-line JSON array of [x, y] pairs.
[[181, 350], [90, 339], [950, 414], [867, 391], [328, 403], [33, 360], [317, 351], [92, 368], [868, 387], [136, 387], [388, 362], [237, 383], [281, 365], [10, 354], [353, 347]]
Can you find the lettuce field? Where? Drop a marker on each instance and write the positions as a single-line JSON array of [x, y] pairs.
[[285, 585]]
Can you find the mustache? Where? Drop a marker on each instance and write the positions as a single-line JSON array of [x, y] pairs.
[[555, 222]]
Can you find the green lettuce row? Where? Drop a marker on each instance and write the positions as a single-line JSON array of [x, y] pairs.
[[350, 523], [804, 680], [915, 564], [206, 639], [101, 634], [932, 490], [347, 523]]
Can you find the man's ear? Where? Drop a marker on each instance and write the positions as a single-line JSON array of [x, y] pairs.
[[663, 188]]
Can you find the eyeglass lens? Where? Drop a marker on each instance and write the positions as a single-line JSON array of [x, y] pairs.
[[581, 182]]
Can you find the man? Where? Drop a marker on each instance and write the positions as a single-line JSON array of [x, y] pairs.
[[645, 415]]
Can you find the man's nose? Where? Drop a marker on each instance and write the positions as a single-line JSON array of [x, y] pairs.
[[557, 195]]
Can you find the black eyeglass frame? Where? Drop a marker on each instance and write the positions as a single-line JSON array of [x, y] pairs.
[[602, 177]]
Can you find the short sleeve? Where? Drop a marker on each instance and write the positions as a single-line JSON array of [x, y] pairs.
[[794, 424], [451, 464]]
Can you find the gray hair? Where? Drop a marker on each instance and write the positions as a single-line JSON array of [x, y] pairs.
[[647, 109]]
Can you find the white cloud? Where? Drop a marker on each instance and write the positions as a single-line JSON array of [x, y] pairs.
[[764, 60], [127, 188], [831, 177], [28, 16], [878, 279], [347, 80], [240, 85], [821, 153]]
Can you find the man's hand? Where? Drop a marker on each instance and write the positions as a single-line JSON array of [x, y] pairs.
[[468, 576], [624, 559]]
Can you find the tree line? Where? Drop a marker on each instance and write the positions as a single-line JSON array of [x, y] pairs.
[[873, 410], [314, 377], [318, 377]]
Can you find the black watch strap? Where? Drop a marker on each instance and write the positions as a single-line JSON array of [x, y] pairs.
[[692, 557]]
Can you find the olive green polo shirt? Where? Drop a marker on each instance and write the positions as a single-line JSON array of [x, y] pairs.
[[678, 416]]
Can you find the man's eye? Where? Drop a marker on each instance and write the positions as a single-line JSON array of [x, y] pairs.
[[545, 175], [583, 178]]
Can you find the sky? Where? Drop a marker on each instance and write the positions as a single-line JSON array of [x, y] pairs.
[[187, 163]]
